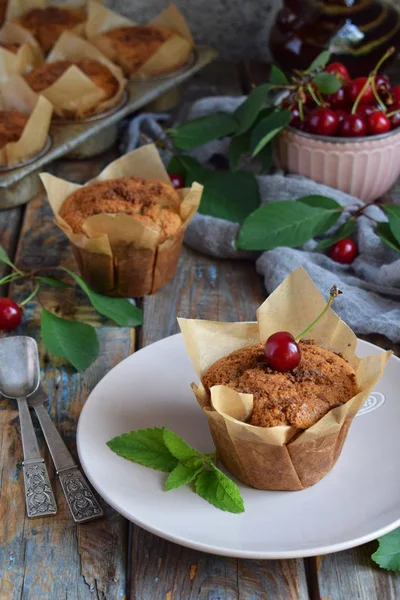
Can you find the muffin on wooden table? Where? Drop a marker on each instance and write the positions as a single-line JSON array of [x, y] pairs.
[[275, 425], [160, 47], [24, 122], [127, 226], [77, 79]]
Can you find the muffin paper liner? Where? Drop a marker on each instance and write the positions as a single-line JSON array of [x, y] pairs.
[[17, 95], [74, 95], [172, 54], [17, 8], [117, 255], [28, 56], [278, 458]]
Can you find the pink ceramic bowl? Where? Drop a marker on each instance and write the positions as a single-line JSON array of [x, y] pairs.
[[365, 167]]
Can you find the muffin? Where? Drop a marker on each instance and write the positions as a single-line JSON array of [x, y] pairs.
[[131, 47], [127, 226], [281, 430], [322, 381], [48, 73], [140, 199], [47, 24], [12, 124]]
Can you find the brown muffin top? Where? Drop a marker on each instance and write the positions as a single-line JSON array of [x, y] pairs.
[[47, 24], [322, 381], [12, 47], [133, 46], [44, 76], [12, 124], [143, 200]]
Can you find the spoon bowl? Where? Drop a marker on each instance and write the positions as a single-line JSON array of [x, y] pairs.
[[19, 367]]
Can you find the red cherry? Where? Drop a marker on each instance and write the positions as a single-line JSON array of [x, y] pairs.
[[377, 122], [395, 93], [296, 119], [339, 70], [282, 352], [177, 180], [382, 84], [353, 126], [10, 314], [344, 251], [339, 99], [395, 120], [322, 121], [365, 109], [341, 114], [355, 88]]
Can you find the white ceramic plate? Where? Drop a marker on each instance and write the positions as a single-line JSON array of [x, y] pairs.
[[356, 502]]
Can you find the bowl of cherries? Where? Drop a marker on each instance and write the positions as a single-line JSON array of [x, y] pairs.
[[349, 139]]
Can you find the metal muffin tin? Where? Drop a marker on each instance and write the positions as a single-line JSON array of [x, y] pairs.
[[94, 134]]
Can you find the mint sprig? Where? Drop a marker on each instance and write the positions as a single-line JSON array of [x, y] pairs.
[[164, 450], [387, 555]]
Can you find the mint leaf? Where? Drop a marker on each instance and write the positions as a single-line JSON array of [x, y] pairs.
[[319, 61], [75, 341], [283, 223], [277, 77], [4, 258], [393, 214], [119, 310], [343, 232], [388, 554], [178, 447], [386, 235], [246, 114], [146, 447], [268, 128], [195, 133], [181, 475], [219, 490], [320, 201], [55, 283], [327, 83]]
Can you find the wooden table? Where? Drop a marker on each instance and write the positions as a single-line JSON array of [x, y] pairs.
[[111, 559]]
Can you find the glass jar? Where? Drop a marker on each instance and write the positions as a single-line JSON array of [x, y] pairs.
[[356, 32]]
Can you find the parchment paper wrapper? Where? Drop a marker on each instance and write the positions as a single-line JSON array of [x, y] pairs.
[[278, 458], [171, 55], [17, 95], [17, 8], [118, 255], [28, 56]]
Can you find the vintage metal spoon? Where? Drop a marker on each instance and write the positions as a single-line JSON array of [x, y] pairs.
[[20, 377], [82, 502]]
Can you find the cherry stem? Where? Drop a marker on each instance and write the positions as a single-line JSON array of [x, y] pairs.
[[11, 277], [393, 112], [31, 296], [313, 95], [382, 60], [360, 95], [371, 79], [375, 92], [301, 112], [332, 295]]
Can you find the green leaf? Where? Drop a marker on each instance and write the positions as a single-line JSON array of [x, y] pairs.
[[146, 447], [75, 341], [320, 202], [229, 196], [283, 223], [219, 490], [181, 475], [4, 258], [119, 310], [327, 83], [55, 283], [393, 214], [343, 232], [388, 554], [194, 133], [240, 144], [268, 128], [175, 166], [178, 447], [247, 112], [265, 156], [319, 61], [386, 235], [277, 77]]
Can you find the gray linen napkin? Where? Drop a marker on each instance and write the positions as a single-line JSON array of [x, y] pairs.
[[371, 285]]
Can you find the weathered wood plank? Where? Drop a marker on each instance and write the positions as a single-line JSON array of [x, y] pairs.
[[222, 290], [53, 558], [352, 574], [9, 230]]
